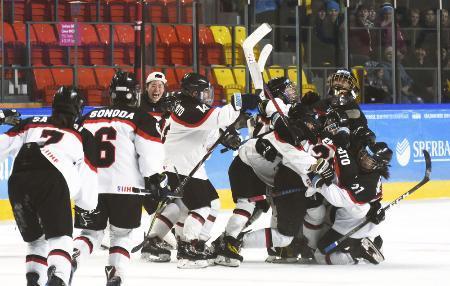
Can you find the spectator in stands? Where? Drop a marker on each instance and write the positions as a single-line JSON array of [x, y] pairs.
[[414, 27], [375, 88], [414, 18], [328, 29], [427, 38], [406, 81], [361, 37], [385, 23], [266, 11], [423, 79], [372, 17]]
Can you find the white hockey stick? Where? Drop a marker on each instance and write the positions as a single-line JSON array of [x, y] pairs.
[[263, 56], [253, 66]]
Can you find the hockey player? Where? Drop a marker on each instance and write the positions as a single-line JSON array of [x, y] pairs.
[[10, 117], [250, 172], [52, 166], [130, 156], [355, 196], [187, 137]]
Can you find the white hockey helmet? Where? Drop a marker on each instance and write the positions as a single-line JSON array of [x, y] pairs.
[[156, 76]]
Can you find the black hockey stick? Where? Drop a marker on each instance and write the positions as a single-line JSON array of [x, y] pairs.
[[425, 179], [161, 205]]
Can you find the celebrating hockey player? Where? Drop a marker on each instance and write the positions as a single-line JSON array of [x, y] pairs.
[[192, 127], [355, 196], [129, 156], [53, 165]]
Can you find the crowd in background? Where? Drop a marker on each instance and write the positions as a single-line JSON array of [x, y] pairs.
[[370, 44]]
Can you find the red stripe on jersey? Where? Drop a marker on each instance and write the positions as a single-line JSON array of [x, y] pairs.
[[277, 137], [158, 114], [180, 224], [312, 226], [60, 252], [268, 237], [192, 125], [109, 120], [92, 167], [165, 220], [242, 213], [87, 241], [36, 258], [119, 250], [147, 136], [44, 125], [211, 218], [197, 217]]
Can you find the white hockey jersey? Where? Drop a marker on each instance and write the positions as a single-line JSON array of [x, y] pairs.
[[129, 147], [67, 149], [187, 132]]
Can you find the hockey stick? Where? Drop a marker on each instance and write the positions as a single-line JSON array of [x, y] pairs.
[[256, 71], [161, 205], [425, 179], [264, 55]]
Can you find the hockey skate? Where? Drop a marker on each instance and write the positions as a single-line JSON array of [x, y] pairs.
[[191, 255], [32, 279], [111, 278], [368, 251], [229, 255], [281, 255], [53, 280], [156, 250]]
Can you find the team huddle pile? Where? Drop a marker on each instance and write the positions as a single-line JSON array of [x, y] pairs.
[[313, 161]]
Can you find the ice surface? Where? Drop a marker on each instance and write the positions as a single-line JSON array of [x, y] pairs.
[[416, 246]]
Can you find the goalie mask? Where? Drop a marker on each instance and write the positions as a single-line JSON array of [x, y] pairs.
[[68, 100], [342, 87], [123, 90], [283, 88], [198, 86], [375, 158]]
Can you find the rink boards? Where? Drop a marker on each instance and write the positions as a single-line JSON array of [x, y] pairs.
[[407, 129]]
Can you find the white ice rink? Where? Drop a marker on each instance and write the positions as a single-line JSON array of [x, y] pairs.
[[416, 246]]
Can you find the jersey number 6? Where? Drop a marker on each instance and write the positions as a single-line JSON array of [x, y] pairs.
[[106, 150]]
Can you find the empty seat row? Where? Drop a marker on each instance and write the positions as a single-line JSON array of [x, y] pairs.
[[233, 80], [173, 45], [155, 11]]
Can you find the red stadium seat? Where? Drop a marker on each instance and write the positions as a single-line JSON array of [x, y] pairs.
[[39, 10], [122, 11], [184, 34], [211, 53], [104, 77], [88, 85], [172, 81], [62, 76], [181, 71], [177, 51], [154, 11], [124, 47], [12, 46], [19, 11], [186, 11], [44, 84], [83, 11], [171, 8]]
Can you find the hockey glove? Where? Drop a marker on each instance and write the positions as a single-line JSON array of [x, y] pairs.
[[231, 139], [376, 214], [10, 117], [85, 219], [169, 102], [157, 186], [266, 149], [262, 107], [243, 101], [323, 169]]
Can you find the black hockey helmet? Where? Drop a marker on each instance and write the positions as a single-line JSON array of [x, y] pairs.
[[375, 157], [123, 89], [198, 86], [68, 100], [283, 88], [306, 114], [362, 136], [342, 87]]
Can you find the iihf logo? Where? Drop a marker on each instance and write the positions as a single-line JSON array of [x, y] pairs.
[[403, 152]]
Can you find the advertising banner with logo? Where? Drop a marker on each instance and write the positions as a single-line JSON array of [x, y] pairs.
[[407, 129]]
